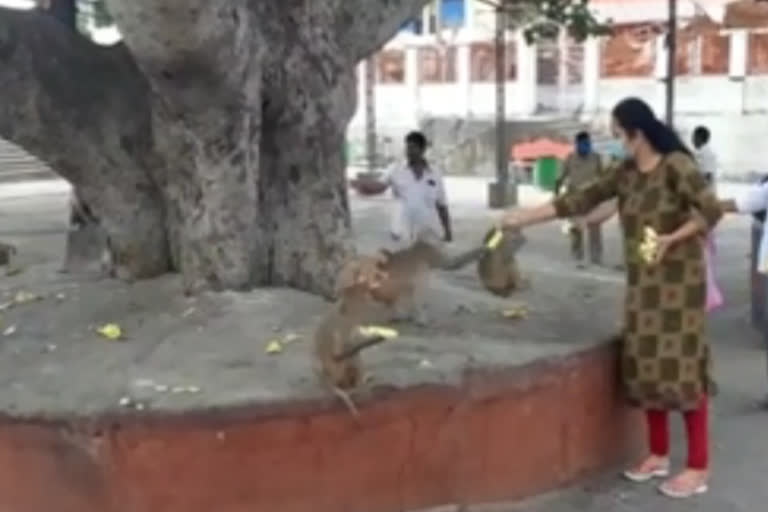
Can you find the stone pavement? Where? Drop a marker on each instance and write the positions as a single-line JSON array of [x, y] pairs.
[[740, 429]]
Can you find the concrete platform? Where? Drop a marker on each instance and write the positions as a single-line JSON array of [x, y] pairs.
[[476, 408]]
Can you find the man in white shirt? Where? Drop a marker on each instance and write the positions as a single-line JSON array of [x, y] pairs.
[[755, 202], [421, 212], [705, 157]]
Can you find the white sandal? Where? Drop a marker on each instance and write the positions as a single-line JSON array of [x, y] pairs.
[[645, 476], [672, 493]]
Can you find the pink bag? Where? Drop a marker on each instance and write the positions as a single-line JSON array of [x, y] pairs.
[[714, 295]]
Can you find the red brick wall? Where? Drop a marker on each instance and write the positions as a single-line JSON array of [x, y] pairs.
[[483, 61], [390, 66], [757, 62], [437, 65], [713, 54], [629, 52]]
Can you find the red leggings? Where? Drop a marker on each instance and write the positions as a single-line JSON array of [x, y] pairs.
[[696, 425]]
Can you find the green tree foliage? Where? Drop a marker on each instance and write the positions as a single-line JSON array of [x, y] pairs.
[[544, 19]]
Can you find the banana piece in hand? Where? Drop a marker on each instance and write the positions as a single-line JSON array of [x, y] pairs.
[[649, 246], [375, 331]]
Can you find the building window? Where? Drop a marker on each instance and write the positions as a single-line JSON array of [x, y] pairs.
[[691, 64], [715, 54], [483, 61], [437, 64], [390, 66], [702, 54], [574, 62], [547, 62], [757, 62]]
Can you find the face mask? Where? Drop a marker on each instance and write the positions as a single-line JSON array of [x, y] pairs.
[[617, 150]]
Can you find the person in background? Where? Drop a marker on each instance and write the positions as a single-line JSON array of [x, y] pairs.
[[665, 359], [702, 151], [421, 212], [755, 202], [582, 166]]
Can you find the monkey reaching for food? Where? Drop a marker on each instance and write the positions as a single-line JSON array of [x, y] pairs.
[[407, 276], [389, 278]]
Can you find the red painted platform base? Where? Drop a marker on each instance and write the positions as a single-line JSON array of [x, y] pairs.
[[504, 434]]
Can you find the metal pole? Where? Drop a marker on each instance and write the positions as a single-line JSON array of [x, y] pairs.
[[502, 159], [370, 113], [671, 54]]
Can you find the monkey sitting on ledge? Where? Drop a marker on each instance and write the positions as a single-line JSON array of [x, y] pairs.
[[338, 340]]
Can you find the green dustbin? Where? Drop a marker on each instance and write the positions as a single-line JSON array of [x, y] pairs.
[[545, 173]]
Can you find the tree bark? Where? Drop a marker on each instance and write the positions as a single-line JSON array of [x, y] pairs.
[[85, 111], [212, 141]]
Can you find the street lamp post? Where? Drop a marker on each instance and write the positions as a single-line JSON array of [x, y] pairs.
[[671, 68], [503, 193], [370, 113], [502, 172]]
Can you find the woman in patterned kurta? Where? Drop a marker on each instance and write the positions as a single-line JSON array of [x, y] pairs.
[[665, 362]]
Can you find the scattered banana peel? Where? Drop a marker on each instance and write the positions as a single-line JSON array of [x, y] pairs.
[[275, 346], [111, 332], [649, 246], [24, 297], [515, 312], [377, 331]]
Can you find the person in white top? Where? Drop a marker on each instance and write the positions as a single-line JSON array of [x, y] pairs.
[[755, 202], [705, 157], [421, 212]]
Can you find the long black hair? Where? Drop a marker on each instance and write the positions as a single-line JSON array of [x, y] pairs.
[[634, 115]]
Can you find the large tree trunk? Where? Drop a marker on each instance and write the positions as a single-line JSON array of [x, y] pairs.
[[212, 141]]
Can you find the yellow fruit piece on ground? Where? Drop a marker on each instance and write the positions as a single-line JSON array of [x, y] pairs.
[[110, 331], [274, 347], [515, 312]]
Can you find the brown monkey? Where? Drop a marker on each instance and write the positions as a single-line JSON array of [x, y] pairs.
[[407, 275], [337, 340]]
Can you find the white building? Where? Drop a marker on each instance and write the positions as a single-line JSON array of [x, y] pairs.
[[722, 78]]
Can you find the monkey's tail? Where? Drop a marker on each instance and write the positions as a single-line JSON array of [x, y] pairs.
[[358, 347], [344, 397], [461, 260]]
